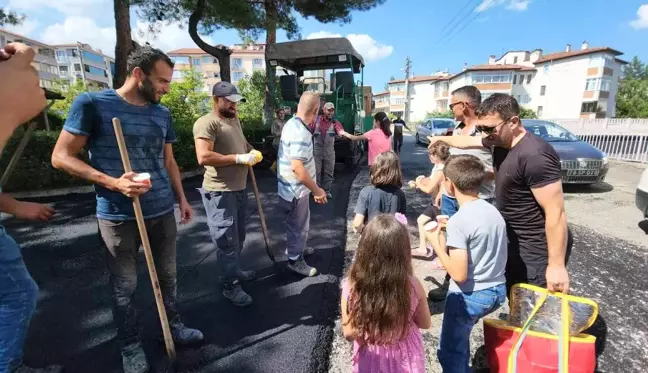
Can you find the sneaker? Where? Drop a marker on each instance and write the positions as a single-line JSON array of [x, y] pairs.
[[299, 266], [134, 359], [245, 275], [439, 294], [183, 335], [236, 295], [48, 369], [329, 195]]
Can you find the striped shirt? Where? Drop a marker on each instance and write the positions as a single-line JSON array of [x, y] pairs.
[[147, 129], [296, 144]]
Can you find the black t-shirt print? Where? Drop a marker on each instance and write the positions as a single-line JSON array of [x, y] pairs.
[[531, 163], [398, 126]]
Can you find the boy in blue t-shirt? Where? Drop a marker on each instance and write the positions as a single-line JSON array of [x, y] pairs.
[[475, 257]]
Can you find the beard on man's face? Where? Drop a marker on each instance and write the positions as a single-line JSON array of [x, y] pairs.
[[147, 91], [227, 111]]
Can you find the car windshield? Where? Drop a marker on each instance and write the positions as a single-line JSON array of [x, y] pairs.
[[550, 132], [443, 123]]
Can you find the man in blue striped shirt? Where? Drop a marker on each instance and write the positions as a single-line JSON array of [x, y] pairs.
[[149, 134], [296, 180]]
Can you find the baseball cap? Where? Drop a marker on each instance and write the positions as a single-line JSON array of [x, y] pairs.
[[329, 105], [227, 90]]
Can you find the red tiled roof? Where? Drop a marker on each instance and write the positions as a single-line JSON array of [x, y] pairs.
[[417, 79], [563, 55], [200, 51], [381, 93], [500, 67]]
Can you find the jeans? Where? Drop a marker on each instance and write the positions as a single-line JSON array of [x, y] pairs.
[[122, 239], [449, 205], [297, 222], [226, 212], [462, 312], [18, 295]]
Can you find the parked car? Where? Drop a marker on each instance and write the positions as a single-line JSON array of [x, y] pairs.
[[581, 162], [434, 127], [641, 198]]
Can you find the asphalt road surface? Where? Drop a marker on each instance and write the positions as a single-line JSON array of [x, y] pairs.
[[287, 329]]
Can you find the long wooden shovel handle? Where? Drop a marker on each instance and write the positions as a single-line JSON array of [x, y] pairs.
[[264, 227], [150, 263]]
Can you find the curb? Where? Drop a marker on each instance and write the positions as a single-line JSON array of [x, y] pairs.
[[82, 189]]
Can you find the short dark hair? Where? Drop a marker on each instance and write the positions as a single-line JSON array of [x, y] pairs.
[[386, 170], [499, 103], [465, 171], [145, 58], [440, 150], [471, 92]]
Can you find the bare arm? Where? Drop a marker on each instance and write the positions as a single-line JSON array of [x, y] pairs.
[[430, 185], [348, 330], [550, 198], [456, 262], [174, 173], [25, 210], [66, 157], [422, 317], [462, 142], [207, 157], [302, 175], [358, 222], [354, 137]]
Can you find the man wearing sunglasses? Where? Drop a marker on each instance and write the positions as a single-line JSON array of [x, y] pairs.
[[529, 195], [464, 102]]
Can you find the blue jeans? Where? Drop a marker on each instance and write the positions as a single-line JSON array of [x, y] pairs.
[[297, 214], [18, 295], [462, 312], [226, 217], [449, 205]]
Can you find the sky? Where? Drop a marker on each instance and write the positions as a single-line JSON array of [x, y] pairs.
[[436, 35]]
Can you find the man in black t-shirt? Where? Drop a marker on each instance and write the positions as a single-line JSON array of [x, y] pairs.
[[398, 133], [528, 193]]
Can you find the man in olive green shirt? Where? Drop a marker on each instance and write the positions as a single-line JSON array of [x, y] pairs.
[[225, 153]]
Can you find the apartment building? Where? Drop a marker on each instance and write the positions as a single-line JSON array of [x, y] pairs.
[[44, 61], [244, 60], [427, 93], [80, 61]]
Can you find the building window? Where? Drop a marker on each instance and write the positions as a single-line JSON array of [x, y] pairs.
[[527, 99], [546, 69], [216, 75], [180, 60], [237, 75], [527, 57], [258, 62], [77, 67], [515, 59], [63, 69], [597, 84], [492, 78], [237, 63], [95, 71], [93, 57], [514, 79], [589, 107], [72, 53], [542, 90], [519, 98], [196, 61], [529, 79], [539, 112], [60, 55], [206, 60], [521, 81]]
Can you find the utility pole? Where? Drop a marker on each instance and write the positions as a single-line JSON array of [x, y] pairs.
[[408, 69]]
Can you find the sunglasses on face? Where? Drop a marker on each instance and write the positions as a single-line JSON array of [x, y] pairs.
[[455, 104], [489, 129]]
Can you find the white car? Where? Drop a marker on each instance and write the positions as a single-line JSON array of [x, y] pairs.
[[641, 198], [434, 127]]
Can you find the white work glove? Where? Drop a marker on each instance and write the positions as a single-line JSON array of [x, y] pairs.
[[250, 159]]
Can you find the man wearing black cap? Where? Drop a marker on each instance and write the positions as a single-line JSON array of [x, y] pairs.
[[226, 155]]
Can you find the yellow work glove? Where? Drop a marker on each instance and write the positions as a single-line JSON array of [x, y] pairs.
[[250, 159]]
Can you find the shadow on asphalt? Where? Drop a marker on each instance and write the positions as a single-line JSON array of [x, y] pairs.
[[588, 188]]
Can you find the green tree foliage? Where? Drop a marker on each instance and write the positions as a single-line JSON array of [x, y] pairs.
[[632, 98], [440, 114], [70, 92], [186, 99], [253, 89], [10, 18], [527, 113]]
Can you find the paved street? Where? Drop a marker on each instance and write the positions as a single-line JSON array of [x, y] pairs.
[[608, 265], [287, 329]]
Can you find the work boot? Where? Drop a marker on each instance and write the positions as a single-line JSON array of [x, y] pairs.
[[22, 368], [299, 266], [134, 358], [183, 335], [235, 294], [439, 294], [245, 275]]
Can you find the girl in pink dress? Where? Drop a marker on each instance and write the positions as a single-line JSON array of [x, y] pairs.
[[383, 304], [379, 137]]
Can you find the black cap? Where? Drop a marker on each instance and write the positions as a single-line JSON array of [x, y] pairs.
[[227, 90]]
